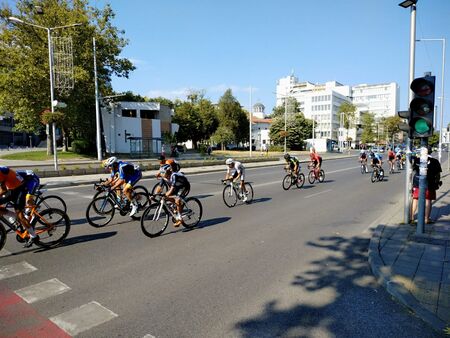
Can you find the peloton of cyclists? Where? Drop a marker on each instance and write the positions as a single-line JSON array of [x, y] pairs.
[[125, 175], [236, 171], [292, 163]]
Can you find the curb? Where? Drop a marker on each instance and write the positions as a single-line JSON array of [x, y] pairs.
[[396, 289]]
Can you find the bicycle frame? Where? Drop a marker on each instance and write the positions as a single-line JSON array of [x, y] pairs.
[[163, 203]]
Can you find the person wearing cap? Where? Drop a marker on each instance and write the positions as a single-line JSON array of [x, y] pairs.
[[236, 171], [433, 183]]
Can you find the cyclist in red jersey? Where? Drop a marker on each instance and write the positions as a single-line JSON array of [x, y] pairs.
[[316, 160], [14, 190]]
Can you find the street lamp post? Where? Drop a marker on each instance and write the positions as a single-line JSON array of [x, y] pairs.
[[412, 57], [50, 62], [441, 127]]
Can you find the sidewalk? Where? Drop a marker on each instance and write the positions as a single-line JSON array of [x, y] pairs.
[[415, 269]]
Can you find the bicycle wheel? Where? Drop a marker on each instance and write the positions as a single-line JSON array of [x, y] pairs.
[[154, 220], [363, 169], [140, 189], [381, 175], [143, 202], [229, 196], [163, 190], [52, 228], [321, 175], [2, 236], [374, 175], [51, 202], [100, 212], [249, 189], [311, 177], [192, 212], [300, 180], [287, 182]]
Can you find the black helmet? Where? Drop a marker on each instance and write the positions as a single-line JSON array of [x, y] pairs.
[[287, 156]]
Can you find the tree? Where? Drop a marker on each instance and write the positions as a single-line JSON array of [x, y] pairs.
[[223, 136], [348, 110], [188, 118], [391, 126], [298, 129], [232, 116], [292, 107], [24, 71], [367, 124], [434, 140]]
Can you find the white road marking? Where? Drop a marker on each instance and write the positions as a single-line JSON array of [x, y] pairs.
[[83, 318], [318, 193], [4, 253], [16, 269], [42, 290], [148, 336]]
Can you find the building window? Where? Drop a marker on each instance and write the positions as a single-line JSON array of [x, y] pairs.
[[149, 114], [129, 113]]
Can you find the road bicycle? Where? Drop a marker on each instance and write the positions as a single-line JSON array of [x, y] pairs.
[[364, 167], [101, 209], [155, 218], [232, 193], [165, 188], [290, 179], [312, 176], [104, 190], [48, 201], [51, 225], [377, 174]]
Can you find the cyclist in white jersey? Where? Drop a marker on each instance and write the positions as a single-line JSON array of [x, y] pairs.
[[236, 171]]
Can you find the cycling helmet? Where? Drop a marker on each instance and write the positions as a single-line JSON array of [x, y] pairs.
[[165, 168], [109, 162], [229, 161], [287, 156]]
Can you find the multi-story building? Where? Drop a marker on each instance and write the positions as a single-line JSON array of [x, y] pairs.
[[321, 102], [136, 128], [260, 127]]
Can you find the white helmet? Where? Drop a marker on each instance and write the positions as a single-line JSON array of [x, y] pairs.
[[229, 161], [109, 162]]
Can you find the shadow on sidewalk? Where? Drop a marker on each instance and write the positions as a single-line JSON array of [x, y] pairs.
[[338, 296]]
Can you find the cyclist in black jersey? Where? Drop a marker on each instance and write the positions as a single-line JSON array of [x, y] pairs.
[[292, 163]]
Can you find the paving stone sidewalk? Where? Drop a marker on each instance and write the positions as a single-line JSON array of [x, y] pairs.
[[415, 269]]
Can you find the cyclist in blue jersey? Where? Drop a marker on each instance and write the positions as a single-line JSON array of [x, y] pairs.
[[123, 174]]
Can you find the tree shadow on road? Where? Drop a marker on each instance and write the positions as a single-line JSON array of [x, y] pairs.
[[338, 297]]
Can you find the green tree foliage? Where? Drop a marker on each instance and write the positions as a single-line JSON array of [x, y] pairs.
[[367, 125], [232, 116], [348, 110], [292, 107], [434, 140], [391, 126], [223, 136], [24, 68], [298, 129]]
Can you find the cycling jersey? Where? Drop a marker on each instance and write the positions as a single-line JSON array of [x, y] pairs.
[[363, 156], [315, 158], [293, 161], [10, 178], [179, 182], [236, 170], [391, 155], [128, 172], [32, 180]]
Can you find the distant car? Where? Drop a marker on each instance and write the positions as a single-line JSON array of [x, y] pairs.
[[180, 148]]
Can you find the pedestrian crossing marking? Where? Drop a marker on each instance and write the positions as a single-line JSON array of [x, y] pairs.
[[43, 290], [16, 269], [83, 318]]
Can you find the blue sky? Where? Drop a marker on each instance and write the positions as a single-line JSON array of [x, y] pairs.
[[209, 45]]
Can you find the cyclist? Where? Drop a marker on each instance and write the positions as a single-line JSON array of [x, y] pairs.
[[391, 157], [236, 171], [316, 160], [13, 189], [178, 183], [32, 183], [123, 174], [376, 160], [175, 168], [363, 158], [399, 157], [292, 163]]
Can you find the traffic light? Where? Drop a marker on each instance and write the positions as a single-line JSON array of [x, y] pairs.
[[421, 108]]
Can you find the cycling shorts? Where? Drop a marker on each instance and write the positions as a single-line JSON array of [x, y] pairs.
[[235, 174], [16, 196], [32, 185], [391, 158], [134, 178]]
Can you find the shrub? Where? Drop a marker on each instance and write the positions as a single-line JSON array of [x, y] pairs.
[[277, 148], [80, 146]]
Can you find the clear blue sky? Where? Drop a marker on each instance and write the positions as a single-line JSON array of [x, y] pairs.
[[208, 45]]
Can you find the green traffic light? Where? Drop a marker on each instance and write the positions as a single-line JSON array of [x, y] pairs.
[[421, 126]]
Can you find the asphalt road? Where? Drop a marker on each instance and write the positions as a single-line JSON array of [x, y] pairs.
[[291, 264]]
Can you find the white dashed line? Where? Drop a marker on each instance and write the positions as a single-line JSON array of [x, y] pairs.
[[148, 336], [318, 193], [42, 290], [16, 269], [83, 318]]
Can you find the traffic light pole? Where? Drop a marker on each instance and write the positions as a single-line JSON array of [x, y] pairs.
[[423, 184], [412, 53]]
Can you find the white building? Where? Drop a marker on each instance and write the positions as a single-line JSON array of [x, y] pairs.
[[136, 128], [260, 127], [321, 102]]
